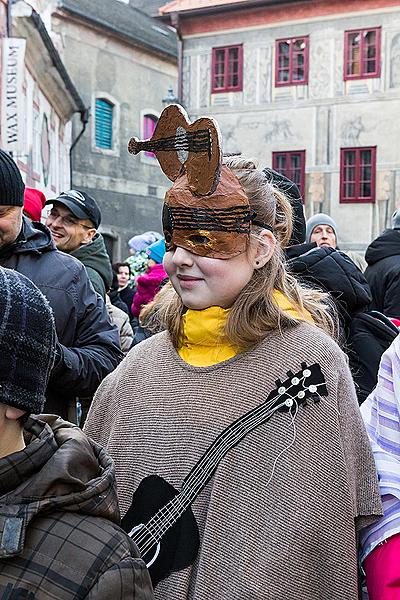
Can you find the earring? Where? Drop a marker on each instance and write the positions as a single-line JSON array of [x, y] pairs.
[[257, 262]]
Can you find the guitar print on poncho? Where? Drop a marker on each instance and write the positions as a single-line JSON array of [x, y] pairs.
[[160, 520]]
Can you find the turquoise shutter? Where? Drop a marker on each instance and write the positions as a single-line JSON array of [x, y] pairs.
[[104, 124]]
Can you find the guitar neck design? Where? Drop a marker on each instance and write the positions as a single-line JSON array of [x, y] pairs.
[[307, 383]]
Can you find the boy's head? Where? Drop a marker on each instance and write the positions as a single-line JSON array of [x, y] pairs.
[[27, 344]]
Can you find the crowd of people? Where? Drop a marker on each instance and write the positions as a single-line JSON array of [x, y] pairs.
[[216, 416]]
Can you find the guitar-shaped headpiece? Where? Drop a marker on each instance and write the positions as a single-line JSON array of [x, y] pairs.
[[184, 147], [206, 210]]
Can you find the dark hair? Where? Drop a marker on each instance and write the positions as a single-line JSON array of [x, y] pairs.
[[117, 265]]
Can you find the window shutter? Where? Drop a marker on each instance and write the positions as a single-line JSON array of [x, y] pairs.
[[104, 124]]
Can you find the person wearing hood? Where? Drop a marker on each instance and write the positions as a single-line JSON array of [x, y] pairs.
[[148, 284], [73, 221], [88, 345], [59, 525], [383, 272]]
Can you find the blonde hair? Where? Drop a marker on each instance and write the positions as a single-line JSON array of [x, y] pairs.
[[254, 312]]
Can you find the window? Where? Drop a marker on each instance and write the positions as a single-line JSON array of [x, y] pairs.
[[149, 125], [104, 124], [291, 61], [357, 174], [362, 50], [227, 69], [292, 165]]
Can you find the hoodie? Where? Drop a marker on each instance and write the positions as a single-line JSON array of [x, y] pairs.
[[59, 521], [383, 272], [97, 264]]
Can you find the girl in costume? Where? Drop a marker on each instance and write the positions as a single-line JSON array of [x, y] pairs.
[[243, 467]]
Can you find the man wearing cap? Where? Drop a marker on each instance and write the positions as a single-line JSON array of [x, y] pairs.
[[73, 221], [87, 347]]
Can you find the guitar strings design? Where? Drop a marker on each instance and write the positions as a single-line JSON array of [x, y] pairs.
[[199, 472], [196, 141], [232, 219], [165, 511], [282, 452]]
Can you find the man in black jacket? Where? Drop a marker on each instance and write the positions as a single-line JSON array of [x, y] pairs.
[[88, 345], [383, 271]]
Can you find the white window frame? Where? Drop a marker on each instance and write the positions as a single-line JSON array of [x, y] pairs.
[[115, 150], [143, 113]]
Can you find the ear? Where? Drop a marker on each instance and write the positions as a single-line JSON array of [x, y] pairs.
[[13, 413], [265, 248], [89, 235]]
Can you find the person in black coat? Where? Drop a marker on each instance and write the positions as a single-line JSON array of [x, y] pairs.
[[88, 346], [383, 271]]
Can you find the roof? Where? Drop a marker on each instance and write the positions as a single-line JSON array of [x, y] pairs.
[[150, 7], [183, 6], [126, 21]]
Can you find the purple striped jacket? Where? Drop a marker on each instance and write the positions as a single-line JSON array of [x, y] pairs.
[[381, 414]]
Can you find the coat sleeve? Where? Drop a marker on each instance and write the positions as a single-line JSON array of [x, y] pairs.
[[391, 301], [357, 453], [127, 580], [96, 350], [126, 335]]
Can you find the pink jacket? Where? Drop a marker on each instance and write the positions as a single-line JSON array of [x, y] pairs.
[[147, 285]]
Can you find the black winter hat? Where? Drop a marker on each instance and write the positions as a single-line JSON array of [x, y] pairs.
[[27, 342], [290, 189], [11, 184]]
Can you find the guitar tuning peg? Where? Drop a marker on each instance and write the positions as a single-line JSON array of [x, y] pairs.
[[304, 365], [278, 383], [290, 374]]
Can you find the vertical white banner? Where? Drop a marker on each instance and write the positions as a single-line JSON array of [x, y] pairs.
[[12, 80]]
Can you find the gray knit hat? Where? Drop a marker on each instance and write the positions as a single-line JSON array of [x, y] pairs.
[[27, 342], [319, 219], [11, 184]]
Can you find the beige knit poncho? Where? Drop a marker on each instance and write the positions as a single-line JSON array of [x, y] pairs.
[[290, 538]]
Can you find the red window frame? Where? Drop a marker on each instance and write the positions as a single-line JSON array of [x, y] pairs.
[[292, 61], [351, 175], [288, 170], [363, 58], [149, 125], [227, 71]]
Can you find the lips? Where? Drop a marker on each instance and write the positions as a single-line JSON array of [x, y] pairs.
[[188, 278], [188, 282]]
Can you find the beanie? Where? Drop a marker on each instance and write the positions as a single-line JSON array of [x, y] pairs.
[[27, 342], [319, 219], [156, 251], [11, 184], [34, 201], [292, 192], [143, 240], [396, 219]]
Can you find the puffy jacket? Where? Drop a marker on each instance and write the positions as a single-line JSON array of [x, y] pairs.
[[97, 264], [334, 272], [120, 318], [88, 347], [59, 521], [147, 285], [383, 272]]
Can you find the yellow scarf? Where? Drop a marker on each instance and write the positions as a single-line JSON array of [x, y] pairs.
[[203, 342]]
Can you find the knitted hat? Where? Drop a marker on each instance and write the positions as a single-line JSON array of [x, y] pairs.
[[11, 184], [34, 201], [27, 342], [143, 240], [396, 219], [319, 219], [156, 251]]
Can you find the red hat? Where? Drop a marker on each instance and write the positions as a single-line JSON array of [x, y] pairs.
[[34, 201]]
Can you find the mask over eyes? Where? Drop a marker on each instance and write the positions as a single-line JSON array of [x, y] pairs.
[[206, 211]]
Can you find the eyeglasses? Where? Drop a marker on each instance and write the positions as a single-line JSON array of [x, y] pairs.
[[68, 220]]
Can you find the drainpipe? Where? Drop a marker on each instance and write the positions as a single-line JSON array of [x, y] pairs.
[[9, 18], [175, 24], [84, 120]]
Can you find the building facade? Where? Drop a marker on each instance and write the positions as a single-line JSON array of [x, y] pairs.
[[38, 100], [123, 62], [310, 88]]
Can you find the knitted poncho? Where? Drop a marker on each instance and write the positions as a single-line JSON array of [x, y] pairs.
[[289, 537]]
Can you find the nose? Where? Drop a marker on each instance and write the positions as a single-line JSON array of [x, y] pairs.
[[182, 257]]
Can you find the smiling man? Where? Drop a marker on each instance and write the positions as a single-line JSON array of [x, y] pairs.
[[87, 347], [73, 221]]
